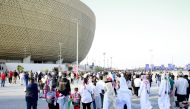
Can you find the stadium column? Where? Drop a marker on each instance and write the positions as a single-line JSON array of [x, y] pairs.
[[76, 20], [27, 59]]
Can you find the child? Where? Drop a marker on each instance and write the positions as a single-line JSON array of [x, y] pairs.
[[75, 97]]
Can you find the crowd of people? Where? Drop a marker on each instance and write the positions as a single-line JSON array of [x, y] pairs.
[[12, 77], [101, 90]]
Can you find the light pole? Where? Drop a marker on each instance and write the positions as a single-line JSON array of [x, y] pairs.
[[104, 54], [24, 52], [77, 45], [87, 60], [77, 23], [151, 58], [111, 62], [108, 63], [172, 60], [60, 54]]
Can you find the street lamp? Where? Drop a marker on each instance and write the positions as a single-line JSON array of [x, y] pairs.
[[151, 58], [111, 62], [172, 60], [108, 63], [24, 52], [104, 54], [60, 54], [77, 24]]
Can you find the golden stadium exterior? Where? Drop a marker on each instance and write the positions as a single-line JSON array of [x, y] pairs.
[[36, 27]]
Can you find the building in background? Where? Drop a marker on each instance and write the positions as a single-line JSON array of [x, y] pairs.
[[44, 32], [31, 30]]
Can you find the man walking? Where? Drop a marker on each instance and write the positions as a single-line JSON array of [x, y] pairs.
[[15, 74], [164, 92], [188, 89], [25, 79], [3, 77], [172, 91], [137, 83], [181, 85], [10, 76], [31, 95], [158, 79]]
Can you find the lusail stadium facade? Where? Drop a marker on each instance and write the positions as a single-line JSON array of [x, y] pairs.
[[45, 29]]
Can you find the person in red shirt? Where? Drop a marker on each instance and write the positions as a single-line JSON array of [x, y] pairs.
[[10, 76], [3, 77]]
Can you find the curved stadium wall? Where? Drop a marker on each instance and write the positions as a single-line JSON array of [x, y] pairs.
[[36, 27]]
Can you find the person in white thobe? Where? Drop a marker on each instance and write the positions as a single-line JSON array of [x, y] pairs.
[[164, 91], [123, 95], [144, 92], [109, 96]]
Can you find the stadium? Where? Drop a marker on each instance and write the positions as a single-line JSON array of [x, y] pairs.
[[39, 31]]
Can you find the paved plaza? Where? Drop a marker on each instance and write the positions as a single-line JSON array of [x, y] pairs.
[[12, 97]]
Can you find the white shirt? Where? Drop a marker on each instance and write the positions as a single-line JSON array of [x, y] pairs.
[[85, 92], [100, 85], [181, 84], [21, 75], [72, 75], [60, 73], [137, 82], [96, 91], [129, 84]]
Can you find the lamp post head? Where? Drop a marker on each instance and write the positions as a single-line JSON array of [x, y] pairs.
[[75, 20]]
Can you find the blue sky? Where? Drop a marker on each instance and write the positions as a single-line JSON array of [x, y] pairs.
[[137, 32]]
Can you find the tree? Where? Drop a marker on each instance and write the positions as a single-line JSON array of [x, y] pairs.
[[98, 69], [20, 68]]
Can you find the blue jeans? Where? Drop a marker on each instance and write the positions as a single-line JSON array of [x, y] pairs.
[[25, 83], [31, 105], [2, 83], [63, 102], [94, 104]]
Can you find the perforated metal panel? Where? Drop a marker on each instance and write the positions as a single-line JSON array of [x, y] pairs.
[[35, 27]]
